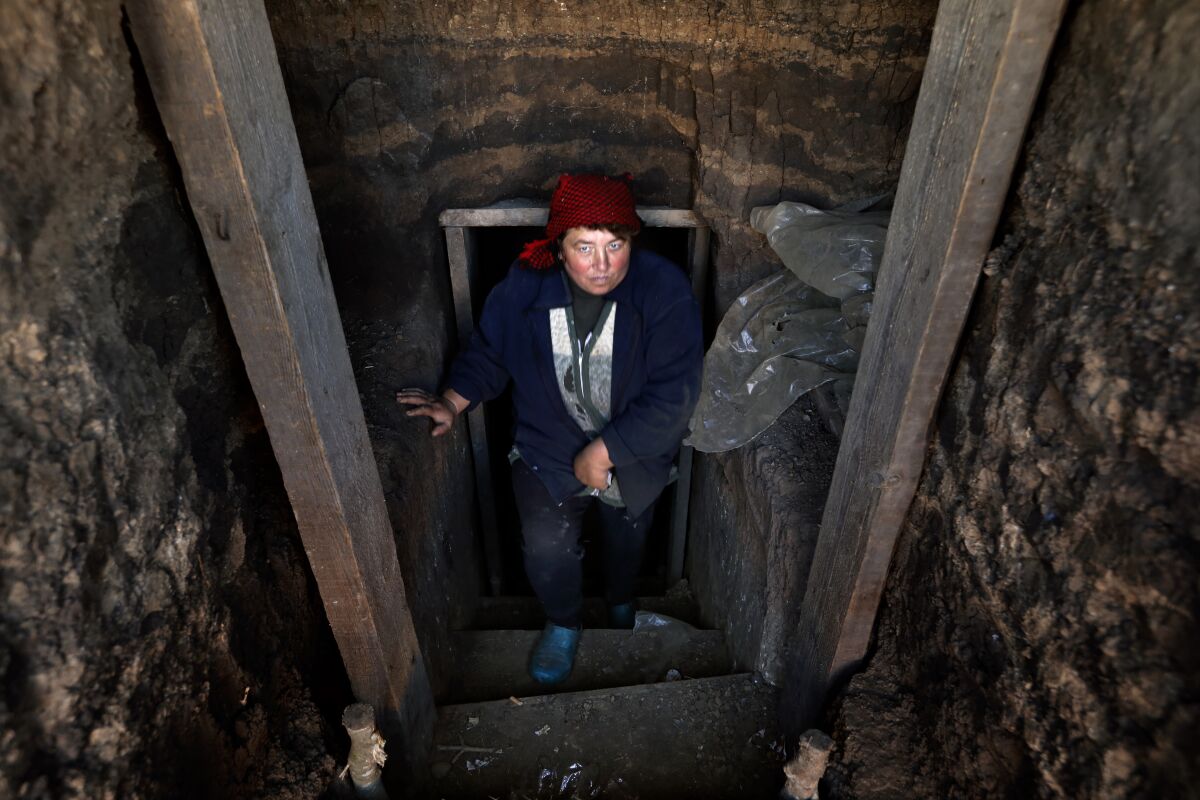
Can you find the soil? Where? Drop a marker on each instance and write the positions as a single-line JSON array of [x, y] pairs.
[[703, 738], [761, 507], [159, 632], [1039, 636]]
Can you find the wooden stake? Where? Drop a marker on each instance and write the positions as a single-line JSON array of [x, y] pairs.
[[217, 83]]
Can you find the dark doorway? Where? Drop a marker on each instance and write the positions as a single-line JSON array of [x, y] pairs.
[[494, 250]]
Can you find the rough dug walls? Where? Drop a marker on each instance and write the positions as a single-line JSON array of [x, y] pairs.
[[159, 633], [760, 512], [720, 106], [1039, 635], [406, 108], [145, 515]]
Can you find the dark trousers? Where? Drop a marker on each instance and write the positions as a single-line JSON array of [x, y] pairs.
[[554, 557]]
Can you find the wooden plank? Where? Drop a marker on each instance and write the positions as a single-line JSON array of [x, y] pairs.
[[677, 540], [535, 216], [982, 78], [217, 83], [680, 505], [698, 248], [460, 257], [481, 453]]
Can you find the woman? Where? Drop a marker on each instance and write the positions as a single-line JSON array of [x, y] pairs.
[[602, 343]]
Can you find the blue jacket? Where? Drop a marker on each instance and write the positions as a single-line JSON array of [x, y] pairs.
[[658, 353]]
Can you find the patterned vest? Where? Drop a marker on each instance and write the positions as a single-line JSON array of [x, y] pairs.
[[584, 372]]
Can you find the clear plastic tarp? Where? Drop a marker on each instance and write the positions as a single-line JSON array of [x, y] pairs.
[[836, 252], [795, 330]]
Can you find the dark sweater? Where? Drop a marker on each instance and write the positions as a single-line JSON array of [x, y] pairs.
[[586, 309]]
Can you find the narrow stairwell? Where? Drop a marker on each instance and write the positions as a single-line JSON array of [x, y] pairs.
[[651, 713]]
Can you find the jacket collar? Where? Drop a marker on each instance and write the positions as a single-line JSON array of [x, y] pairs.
[[552, 290]]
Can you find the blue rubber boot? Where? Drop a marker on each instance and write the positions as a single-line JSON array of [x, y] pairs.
[[622, 616], [554, 654]]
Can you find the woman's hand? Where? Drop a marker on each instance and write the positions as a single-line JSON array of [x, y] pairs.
[[442, 410], [592, 465]]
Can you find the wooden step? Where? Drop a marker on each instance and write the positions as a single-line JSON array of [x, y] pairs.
[[703, 739], [525, 613], [492, 665]]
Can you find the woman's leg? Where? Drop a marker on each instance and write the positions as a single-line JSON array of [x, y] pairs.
[[550, 541], [624, 539]]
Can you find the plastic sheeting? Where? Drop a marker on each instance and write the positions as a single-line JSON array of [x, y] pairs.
[[836, 252], [795, 330], [650, 620]]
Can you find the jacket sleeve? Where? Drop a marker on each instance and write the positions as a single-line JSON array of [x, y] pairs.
[[478, 373], [654, 423]]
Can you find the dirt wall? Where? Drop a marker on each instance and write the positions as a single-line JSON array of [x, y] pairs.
[[1038, 636], [160, 635], [407, 108], [758, 513]]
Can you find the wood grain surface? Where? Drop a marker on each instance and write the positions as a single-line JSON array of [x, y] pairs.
[[982, 78], [217, 84]]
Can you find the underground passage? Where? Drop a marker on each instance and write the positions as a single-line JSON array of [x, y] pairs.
[[921, 511]]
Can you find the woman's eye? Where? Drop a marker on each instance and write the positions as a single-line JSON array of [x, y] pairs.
[[585, 248], [617, 245]]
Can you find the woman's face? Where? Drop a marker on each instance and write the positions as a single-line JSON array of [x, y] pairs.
[[596, 260]]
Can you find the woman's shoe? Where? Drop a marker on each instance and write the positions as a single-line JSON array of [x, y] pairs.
[[554, 654], [622, 616]]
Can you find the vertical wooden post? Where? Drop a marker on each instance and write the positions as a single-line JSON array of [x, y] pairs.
[[217, 83], [981, 80], [677, 546], [461, 257]]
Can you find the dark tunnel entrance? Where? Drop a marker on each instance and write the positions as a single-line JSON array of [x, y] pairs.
[[493, 251]]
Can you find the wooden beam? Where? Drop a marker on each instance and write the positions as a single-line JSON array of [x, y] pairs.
[[217, 83], [681, 501], [981, 80], [461, 257], [535, 216]]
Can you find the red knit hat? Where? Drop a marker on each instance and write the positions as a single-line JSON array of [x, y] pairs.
[[582, 200]]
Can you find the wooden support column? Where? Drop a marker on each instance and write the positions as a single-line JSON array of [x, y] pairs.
[[698, 246], [217, 83], [981, 80], [463, 264]]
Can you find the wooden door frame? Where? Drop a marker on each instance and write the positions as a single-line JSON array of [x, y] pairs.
[[459, 225]]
